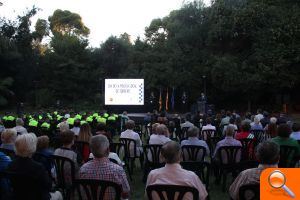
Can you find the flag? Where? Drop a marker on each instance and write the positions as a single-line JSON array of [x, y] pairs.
[[173, 99], [167, 100], [160, 100]]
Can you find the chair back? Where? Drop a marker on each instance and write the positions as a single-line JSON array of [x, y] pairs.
[[83, 148], [170, 191], [25, 186], [8, 152], [130, 149], [117, 148], [97, 189], [202, 169], [248, 149], [44, 160], [259, 135], [246, 190], [180, 133], [65, 172], [230, 155], [207, 134], [152, 154], [287, 156], [193, 153]]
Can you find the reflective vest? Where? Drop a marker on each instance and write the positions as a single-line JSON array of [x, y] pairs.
[[59, 117], [116, 116], [111, 118], [45, 125], [105, 115], [95, 115], [40, 117], [10, 118], [83, 122], [78, 116], [33, 123], [71, 121], [89, 119], [5, 118], [101, 120]]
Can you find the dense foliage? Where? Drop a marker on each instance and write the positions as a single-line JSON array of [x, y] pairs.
[[248, 50]]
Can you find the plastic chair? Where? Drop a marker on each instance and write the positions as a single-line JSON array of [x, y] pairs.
[[83, 148], [152, 161], [65, 174], [96, 189], [245, 189], [171, 191], [287, 156], [193, 153]]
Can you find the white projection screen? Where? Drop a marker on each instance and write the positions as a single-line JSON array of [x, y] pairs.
[[124, 91]]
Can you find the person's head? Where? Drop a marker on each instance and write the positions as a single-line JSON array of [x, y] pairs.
[[273, 120], [64, 126], [8, 136], [229, 131], [265, 114], [256, 120], [19, 122], [246, 126], [208, 120], [161, 129], [296, 127], [99, 145], [77, 123], [67, 137], [101, 127], [26, 145], [193, 131], [85, 133], [130, 124], [231, 120], [284, 130], [154, 128], [171, 152], [42, 142], [267, 153]]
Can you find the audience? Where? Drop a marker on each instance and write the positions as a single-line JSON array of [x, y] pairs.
[[160, 135], [267, 154], [23, 163], [193, 134], [256, 125], [245, 131], [173, 174], [100, 168], [76, 127], [20, 126], [208, 125], [271, 128], [130, 134], [8, 138], [64, 126], [187, 123], [296, 131], [231, 123], [43, 149]]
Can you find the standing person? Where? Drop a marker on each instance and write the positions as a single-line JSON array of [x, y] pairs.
[[173, 174], [124, 119]]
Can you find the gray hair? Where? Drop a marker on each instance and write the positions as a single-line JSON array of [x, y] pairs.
[[26, 145], [171, 152], [8, 136], [64, 126], [193, 131], [19, 122], [273, 120], [99, 145]]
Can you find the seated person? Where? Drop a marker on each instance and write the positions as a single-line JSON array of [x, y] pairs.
[[24, 164], [102, 130], [187, 124], [267, 154], [245, 131], [283, 138], [231, 123], [20, 126], [227, 141], [296, 131], [8, 138], [256, 125], [130, 134], [208, 125], [43, 148], [100, 168], [76, 127], [159, 137], [173, 174], [193, 139]]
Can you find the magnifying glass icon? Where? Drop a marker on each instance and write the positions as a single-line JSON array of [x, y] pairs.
[[277, 180]]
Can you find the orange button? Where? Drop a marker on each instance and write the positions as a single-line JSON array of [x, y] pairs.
[[280, 183]]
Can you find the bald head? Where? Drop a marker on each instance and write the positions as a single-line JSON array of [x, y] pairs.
[[171, 152]]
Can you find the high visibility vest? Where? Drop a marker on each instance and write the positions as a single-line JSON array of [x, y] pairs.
[[78, 116], [10, 118], [33, 123], [89, 119], [105, 115], [71, 121], [5, 118], [101, 120], [111, 118], [116, 116], [59, 117], [45, 125], [40, 117], [55, 112], [83, 122], [95, 115]]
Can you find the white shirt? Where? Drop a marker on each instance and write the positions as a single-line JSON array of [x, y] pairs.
[[186, 124], [259, 116], [21, 130], [208, 127], [295, 135], [158, 139], [130, 134], [173, 174], [111, 155], [76, 130]]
